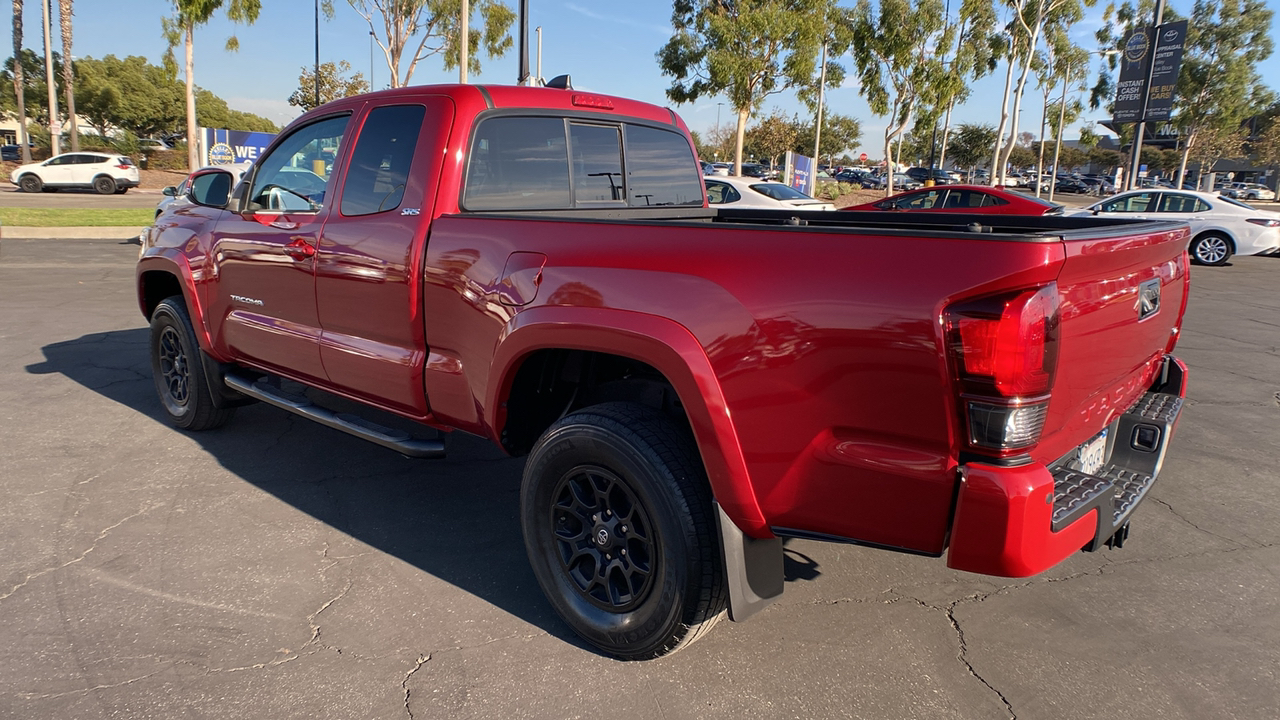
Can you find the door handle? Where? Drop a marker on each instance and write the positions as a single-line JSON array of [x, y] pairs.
[[299, 249]]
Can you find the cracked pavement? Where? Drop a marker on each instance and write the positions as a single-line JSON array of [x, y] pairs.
[[275, 568]]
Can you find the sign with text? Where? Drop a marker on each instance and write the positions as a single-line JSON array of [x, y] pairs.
[[801, 172], [1135, 62], [227, 147], [1170, 41]]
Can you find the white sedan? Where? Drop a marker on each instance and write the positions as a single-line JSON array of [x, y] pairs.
[[748, 192], [1220, 226]]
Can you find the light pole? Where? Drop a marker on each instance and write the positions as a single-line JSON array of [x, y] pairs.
[[464, 40], [371, 86], [317, 53], [718, 106]]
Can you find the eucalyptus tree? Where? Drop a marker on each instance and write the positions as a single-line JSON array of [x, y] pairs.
[[1219, 86], [19, 83], [68, 73], [971, 144], [1024, 32], [894, 62], [772, 136], [839, 133], [748, 50], [975, 55], [436, 27], [180, 29], [1061, 63]]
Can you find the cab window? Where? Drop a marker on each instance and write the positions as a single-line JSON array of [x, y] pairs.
[[381, 160], [518, 163], [597, 165], [661, 169], [294, 175]]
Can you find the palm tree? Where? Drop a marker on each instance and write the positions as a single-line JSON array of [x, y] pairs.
[[68, 76], [181, 28], [19, 83]]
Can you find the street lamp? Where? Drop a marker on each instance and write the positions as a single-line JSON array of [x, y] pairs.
[[718, 105]]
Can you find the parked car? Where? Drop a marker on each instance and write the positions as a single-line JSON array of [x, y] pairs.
[[176, 196], [964, 199], [714, 169], [11, 153], [756, 170], [903, 181], [1249, 191], [1098, 185], [104, 173], [922, 174], [1070, 185], [750, 192], [1220, 226], [153, 145]]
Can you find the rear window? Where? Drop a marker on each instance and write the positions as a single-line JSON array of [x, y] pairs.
[[778, 191], [541, 163], [121, 161]]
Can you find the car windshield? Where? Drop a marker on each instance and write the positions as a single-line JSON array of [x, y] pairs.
[[778, 191]]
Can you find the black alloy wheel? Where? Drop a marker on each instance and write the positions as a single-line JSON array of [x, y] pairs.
[[604, 538], [178, 370], [621, 532], [30, 183], [104, 185]]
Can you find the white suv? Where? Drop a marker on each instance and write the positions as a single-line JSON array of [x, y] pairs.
[[104, 173]]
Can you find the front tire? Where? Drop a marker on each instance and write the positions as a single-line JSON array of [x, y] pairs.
[[30, 183], [104, 185], [1211, 249], [619, 527], [176, 366]]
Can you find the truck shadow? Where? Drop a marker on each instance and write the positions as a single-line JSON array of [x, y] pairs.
[[456, 519]]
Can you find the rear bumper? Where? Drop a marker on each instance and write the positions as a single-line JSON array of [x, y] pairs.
[[1020, 521]]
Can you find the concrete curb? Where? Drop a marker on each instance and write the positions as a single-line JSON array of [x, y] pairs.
[[71, 233]]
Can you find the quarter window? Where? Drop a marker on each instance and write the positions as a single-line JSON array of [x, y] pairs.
[[1177, 203], [518, 163], [381, 160], [719, 193]]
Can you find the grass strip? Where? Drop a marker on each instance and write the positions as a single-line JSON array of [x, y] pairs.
[[76, 217]]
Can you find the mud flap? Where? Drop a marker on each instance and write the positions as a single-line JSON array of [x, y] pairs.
[[753, 568]]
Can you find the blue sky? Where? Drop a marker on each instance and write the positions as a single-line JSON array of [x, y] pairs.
[[607, 46]]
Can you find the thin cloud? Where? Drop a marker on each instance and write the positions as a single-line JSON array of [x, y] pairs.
[[663, 29]]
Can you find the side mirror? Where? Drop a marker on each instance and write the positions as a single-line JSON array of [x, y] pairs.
[[170, 191], [211, 188], [1097, 209]]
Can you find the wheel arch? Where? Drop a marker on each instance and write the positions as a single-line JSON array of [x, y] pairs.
[[160, 277], [659, 351], [1217, 230]]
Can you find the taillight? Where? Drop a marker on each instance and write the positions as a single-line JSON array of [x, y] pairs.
[[1264, 222], [123, 167], [1005, 351]]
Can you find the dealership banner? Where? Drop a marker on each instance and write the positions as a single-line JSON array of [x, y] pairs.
[[228, 147], [1135, 65], [1170, 41]]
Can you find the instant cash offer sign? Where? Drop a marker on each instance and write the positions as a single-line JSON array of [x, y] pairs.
[[1155, 53]]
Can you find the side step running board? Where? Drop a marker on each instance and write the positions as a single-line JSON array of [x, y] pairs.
[[387, 437]]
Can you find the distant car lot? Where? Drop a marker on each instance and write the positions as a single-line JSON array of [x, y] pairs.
[[278, 568]]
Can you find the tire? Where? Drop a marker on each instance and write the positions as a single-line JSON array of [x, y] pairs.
[[30, 183], [104, 185], [619, 487], [122, 190], [1211, 249], [178, 372]]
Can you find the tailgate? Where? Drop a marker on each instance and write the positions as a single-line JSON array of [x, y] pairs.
[[1123, 291]]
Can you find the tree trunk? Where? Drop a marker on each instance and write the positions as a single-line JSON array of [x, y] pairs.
[[1044, 120], [738, 137], [997, 170], [68, 73], [55, 131], [1062, 121], [1182, 166], [946, 131], [19, 84], [193, 146], [888, 162], [1017, 98]]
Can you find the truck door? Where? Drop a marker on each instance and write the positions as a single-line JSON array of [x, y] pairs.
[[369, 260], [264, 308]]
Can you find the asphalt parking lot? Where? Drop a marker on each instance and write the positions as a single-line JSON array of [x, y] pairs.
[[278, 569], [11, 196]]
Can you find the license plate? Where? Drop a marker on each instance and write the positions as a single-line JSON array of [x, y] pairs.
[[1092, 454]]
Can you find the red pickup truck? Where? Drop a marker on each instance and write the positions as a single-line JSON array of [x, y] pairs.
[[538, 266]]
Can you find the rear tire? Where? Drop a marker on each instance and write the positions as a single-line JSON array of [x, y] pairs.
[[1210, 249], [177, 367], [104, 185], [620, 530], [30, 183]]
